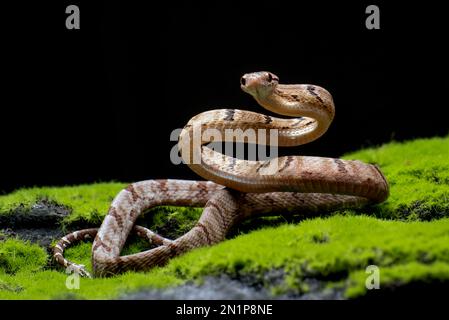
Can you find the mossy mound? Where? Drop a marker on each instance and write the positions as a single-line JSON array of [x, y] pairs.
[[418, 175], [335, 251], [85, 206]]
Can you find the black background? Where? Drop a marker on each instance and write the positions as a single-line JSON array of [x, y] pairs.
[[99, 103]]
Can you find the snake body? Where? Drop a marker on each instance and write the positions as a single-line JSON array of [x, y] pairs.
[[240, 188]]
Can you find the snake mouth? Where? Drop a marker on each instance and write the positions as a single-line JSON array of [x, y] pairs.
[[249, 85], [244, 84], [245, 89]]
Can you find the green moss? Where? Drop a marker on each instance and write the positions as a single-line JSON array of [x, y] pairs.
[[90, 203], [352, 244], [404, 252], [17, 255], [52, 285], [404, 243], [23, 275], [86, 202], [399, 275], [172, 222], [418, 174]]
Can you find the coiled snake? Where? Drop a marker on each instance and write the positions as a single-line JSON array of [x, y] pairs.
[[240, 188]]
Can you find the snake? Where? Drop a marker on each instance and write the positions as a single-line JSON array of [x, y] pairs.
[[235, 189]]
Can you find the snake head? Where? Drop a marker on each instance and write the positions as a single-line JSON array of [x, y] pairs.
[[259, 84]]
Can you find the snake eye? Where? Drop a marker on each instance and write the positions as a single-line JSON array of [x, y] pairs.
[[243, 81], [270, 77]]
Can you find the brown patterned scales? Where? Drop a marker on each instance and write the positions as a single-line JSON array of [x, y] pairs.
[[240, 188]]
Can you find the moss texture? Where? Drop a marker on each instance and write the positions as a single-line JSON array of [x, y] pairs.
[[85, 202], [407, 237], [418, 174]]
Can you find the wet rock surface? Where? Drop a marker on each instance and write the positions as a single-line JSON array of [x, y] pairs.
[[226, 288], [40, 236], [44, 213], [39, 224]]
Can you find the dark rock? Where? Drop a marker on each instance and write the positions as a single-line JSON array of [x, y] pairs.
[[226, 288], [40, 236], [213, 288], [43, 214]]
